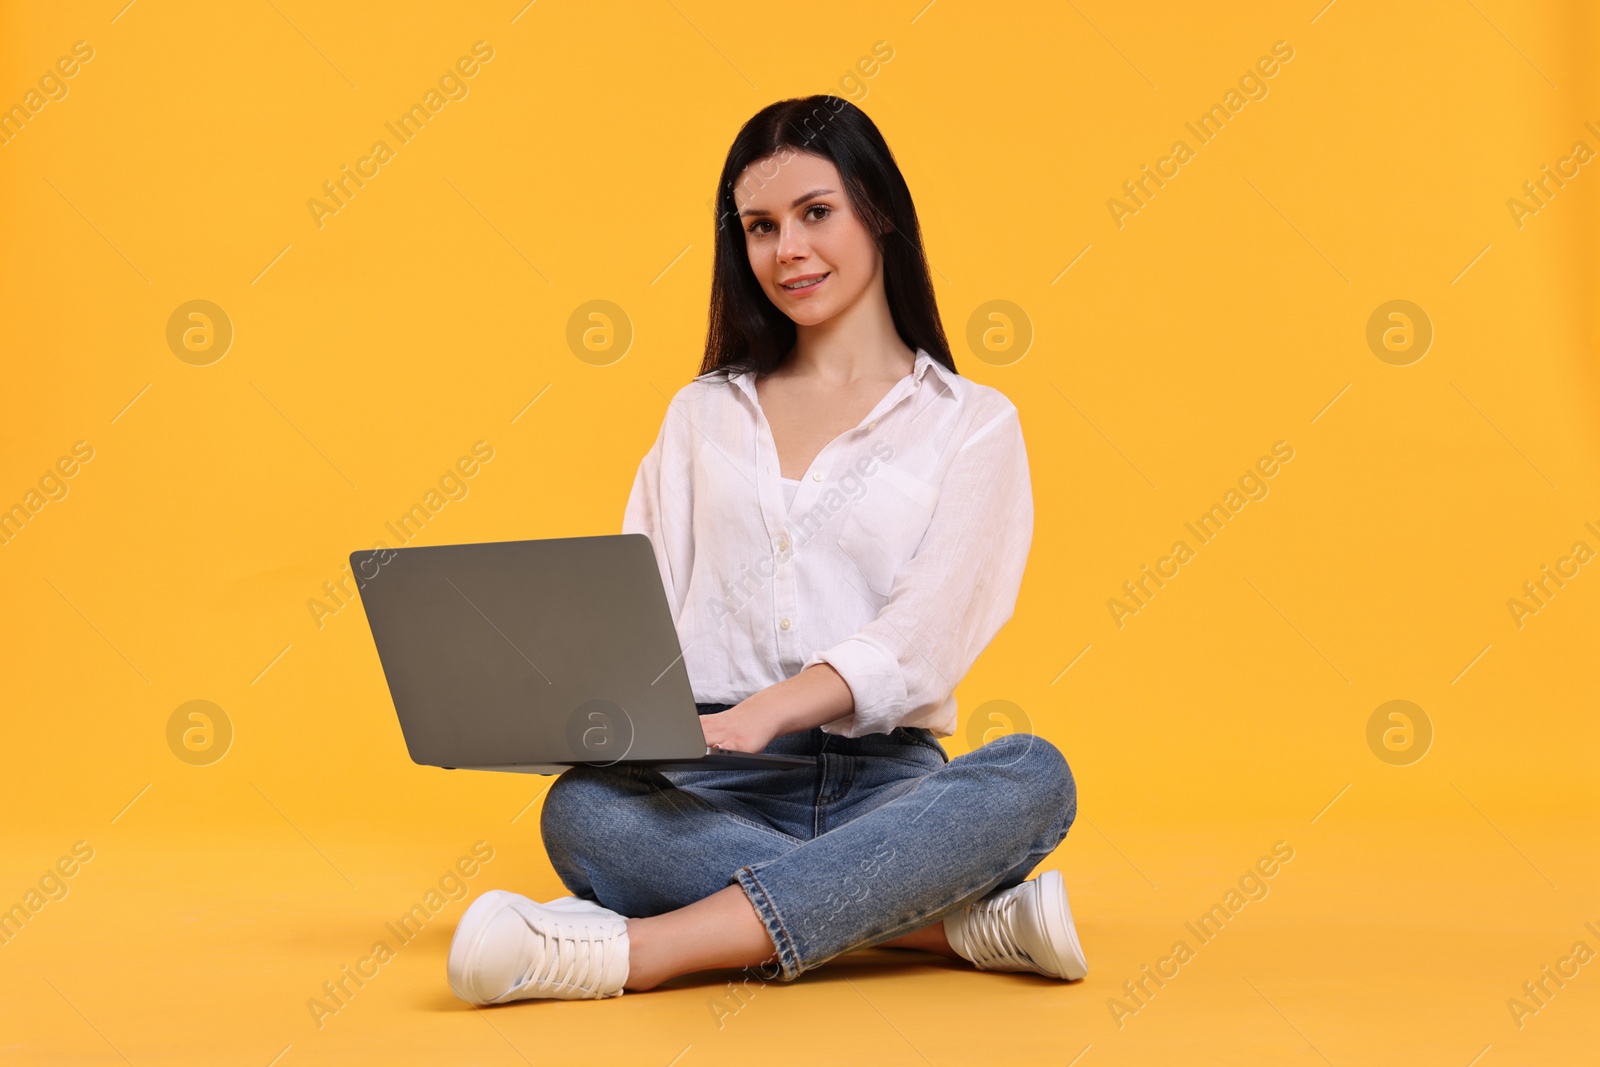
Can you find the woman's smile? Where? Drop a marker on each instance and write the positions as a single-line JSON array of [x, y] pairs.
[[804, 283]]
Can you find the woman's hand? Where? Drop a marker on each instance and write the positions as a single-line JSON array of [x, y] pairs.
[[742, 728], [815, 696]]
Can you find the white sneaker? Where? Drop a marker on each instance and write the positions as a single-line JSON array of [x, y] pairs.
[[1024, 928], [579, 904], [507, 947]]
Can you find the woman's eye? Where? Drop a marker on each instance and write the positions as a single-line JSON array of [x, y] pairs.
[[756, 226]]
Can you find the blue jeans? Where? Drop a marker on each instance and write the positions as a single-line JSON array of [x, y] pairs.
[[884, 835]]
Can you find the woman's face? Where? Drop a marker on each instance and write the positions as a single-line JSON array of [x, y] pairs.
[[798, 228]]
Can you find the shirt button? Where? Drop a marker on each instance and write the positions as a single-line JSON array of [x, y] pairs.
[[783, 544], [817, 477], [872, 425], [783, 624]]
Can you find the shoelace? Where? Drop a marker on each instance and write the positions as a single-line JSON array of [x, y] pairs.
[[566, 958], [988, 933]]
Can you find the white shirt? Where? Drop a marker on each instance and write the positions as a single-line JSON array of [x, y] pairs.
[[897, 561]]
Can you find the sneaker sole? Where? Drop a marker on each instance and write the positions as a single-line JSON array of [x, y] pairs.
[[1057, 915]]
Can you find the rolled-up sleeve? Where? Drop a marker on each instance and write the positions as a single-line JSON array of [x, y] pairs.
[[955, 593], [659, 506]]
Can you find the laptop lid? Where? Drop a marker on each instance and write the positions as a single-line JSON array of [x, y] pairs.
[[536, 652]]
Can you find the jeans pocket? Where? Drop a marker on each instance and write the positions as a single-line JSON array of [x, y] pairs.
[[916, 735]]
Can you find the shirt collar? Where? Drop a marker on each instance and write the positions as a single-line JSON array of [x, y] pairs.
[[745, 379], [942, 373]]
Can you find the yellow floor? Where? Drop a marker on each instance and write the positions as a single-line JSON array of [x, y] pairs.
[[1383, 940]]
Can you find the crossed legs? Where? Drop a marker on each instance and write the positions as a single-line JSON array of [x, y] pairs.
[[711, 884]]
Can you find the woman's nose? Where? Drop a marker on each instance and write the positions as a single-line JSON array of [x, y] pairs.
[[791, 243]]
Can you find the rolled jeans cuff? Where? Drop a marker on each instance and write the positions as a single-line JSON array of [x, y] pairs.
[[767, 911]]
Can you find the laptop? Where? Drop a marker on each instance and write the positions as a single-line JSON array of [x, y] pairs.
[[535, 656]]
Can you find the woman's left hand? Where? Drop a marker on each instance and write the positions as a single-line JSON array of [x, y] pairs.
[[742, 728]]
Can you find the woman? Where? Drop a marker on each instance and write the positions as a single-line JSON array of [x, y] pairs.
[[841, 522]]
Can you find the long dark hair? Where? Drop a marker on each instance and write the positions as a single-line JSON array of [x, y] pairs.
[[746, 332]]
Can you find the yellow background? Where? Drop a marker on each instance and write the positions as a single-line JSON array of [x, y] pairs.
[[370, 353]]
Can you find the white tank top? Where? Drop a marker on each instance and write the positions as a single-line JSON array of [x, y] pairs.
[[789, 487]]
